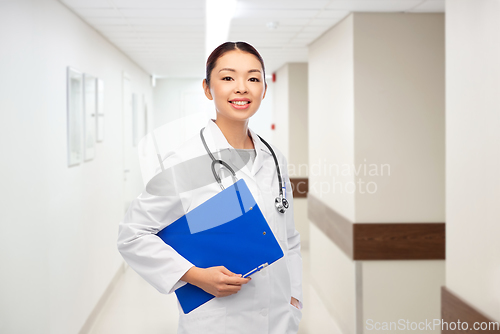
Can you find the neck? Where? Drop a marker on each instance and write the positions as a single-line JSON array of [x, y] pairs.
[[236, 132]]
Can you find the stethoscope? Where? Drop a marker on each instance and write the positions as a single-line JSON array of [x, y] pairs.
[[280, 202]]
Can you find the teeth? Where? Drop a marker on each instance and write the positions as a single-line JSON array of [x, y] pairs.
[[240, 103]]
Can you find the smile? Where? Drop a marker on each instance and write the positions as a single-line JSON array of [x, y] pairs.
[[239, 103]]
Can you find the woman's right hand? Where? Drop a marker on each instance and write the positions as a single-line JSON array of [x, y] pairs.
[[218, 281]]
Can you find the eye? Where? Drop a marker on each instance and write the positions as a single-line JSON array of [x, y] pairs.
[[254, 80], [226, 78]]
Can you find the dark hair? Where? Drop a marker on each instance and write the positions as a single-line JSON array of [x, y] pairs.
[[229, 46]]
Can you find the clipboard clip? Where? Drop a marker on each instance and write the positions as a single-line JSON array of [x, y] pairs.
[[262, 266]]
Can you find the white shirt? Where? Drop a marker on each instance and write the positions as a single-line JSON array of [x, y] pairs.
[[262, 305]]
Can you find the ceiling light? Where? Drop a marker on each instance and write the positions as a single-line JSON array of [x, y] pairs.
[[218, 18]]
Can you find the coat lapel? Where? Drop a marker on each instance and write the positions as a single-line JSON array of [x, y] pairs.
[[262, 151]]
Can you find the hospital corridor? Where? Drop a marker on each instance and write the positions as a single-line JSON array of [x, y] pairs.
[[135, 307], [250, 166]]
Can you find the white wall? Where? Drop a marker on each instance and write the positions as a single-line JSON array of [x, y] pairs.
[[178, 97], [331, 115], [399, 93], [263, 119], [473, 153], [377, 93], [334, 277], [399, 97], [291, 116], [280, 111], [393, 290], [331, 142], [298, 137], [59, 224], [290, 135]]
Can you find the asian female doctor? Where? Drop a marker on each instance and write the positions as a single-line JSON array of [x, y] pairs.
[[270, 301]]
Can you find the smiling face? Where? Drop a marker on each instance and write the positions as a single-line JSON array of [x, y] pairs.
[[236, 85]]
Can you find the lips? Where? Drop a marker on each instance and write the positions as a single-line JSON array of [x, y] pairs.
[[240, 103]]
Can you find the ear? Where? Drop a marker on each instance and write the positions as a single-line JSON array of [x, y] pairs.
[[206, 89], [265, 91]]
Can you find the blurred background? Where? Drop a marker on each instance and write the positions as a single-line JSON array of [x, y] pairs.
[[387, 111]]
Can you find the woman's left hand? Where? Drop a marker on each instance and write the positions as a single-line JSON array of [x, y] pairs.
[[295, 302]]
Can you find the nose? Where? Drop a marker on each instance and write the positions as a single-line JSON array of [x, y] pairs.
[[240, 87]]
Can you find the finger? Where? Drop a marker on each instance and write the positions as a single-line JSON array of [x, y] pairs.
[[233, 280], [226, 271], [229, 290], [226, 293], [229, 272]]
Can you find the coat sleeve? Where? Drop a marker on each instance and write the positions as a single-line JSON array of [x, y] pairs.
[[154, 260], [294, 257]]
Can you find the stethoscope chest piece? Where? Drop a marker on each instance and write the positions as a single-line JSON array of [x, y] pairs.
[[281, 204], [285, 203]]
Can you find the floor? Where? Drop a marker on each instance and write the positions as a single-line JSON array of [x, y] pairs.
[[135, 307]]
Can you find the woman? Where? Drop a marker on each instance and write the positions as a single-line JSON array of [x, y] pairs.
[[269, 301]]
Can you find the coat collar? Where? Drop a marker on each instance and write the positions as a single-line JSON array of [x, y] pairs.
[[217, 142]]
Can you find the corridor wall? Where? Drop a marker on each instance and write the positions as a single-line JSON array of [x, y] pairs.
[[331, 142], [59, 224], [291, 135], [176, 97], [473, 159], [376, 154]]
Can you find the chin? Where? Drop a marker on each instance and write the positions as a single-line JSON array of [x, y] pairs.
[[235, 115]]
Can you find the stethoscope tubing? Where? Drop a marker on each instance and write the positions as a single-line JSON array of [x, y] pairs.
[[281, 202], [277, 165]]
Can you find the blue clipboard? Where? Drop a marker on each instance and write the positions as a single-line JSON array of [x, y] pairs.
[[227, 230]]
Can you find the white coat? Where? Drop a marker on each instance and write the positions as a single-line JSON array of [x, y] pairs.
[[262, 305]]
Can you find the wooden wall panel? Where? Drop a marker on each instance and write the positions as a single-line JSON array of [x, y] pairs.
[[454, 309], [379, 241], [300, 186], [408, 241]]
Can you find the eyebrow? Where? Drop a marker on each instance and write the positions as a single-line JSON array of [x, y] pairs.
[[233, 70]]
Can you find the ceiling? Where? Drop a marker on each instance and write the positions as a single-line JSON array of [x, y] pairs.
[[167, 38]]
